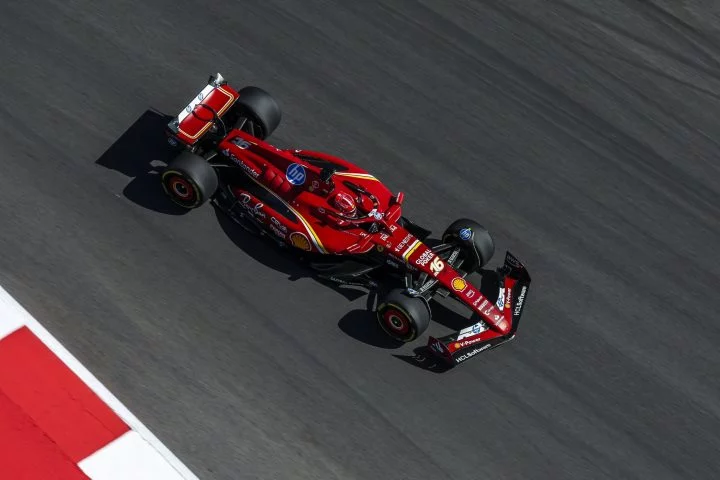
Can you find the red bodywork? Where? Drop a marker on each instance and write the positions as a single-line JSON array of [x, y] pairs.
[[196, 119], [303, 216], [319, 229]]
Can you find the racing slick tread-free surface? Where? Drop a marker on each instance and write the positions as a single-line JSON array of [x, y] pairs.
[[583, 134], [262, 107]]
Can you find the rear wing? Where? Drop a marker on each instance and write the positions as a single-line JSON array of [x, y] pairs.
[[210, 104], [460, 346]]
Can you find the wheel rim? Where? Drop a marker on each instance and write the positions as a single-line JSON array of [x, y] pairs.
[[396, 321], [180, 190]]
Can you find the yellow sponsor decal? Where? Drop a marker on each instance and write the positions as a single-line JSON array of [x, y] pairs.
[[459, 284], [411, 250], [300, 241]]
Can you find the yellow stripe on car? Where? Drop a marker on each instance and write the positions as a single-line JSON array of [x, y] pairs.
[[366, 176], [411, 249], [313, 236]]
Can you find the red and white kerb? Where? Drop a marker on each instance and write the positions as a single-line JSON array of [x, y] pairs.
[[58, 421]]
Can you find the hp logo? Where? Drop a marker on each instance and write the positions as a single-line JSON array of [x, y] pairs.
[[295, 174]]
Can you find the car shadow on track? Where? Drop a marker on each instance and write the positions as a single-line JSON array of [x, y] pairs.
[[259, 249], [283, 260], [361, 324], [140, 153], [421, 357]]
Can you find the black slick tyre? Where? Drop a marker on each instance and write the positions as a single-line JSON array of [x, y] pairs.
[[403, 317], [261, 109], [477, 245], [189, 180]]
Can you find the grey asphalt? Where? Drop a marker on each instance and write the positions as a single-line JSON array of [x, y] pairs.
[[583, 134]]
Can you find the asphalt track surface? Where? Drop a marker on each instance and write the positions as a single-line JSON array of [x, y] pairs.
[[584, 134]]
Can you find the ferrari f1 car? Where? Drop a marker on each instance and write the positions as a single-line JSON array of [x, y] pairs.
[[348, 222]]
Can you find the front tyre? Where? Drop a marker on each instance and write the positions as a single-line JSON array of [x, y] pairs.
[[403, 317], [189, 180], [477, 245]]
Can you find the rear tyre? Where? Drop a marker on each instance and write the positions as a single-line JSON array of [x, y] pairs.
[[189, 180], [261, 109], [477, 245], [403, 317]]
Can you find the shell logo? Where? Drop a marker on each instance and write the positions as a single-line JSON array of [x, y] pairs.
[[459, 284], [299, 240]]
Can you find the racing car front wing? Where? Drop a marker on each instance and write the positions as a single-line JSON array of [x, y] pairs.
[[460, 346]]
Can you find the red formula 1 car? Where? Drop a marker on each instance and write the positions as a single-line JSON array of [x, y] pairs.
[[345, 219]]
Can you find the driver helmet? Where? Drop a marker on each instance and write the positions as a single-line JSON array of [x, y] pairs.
[[345, 203]]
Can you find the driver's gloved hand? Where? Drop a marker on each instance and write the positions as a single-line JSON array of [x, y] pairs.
[[326, 174]]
